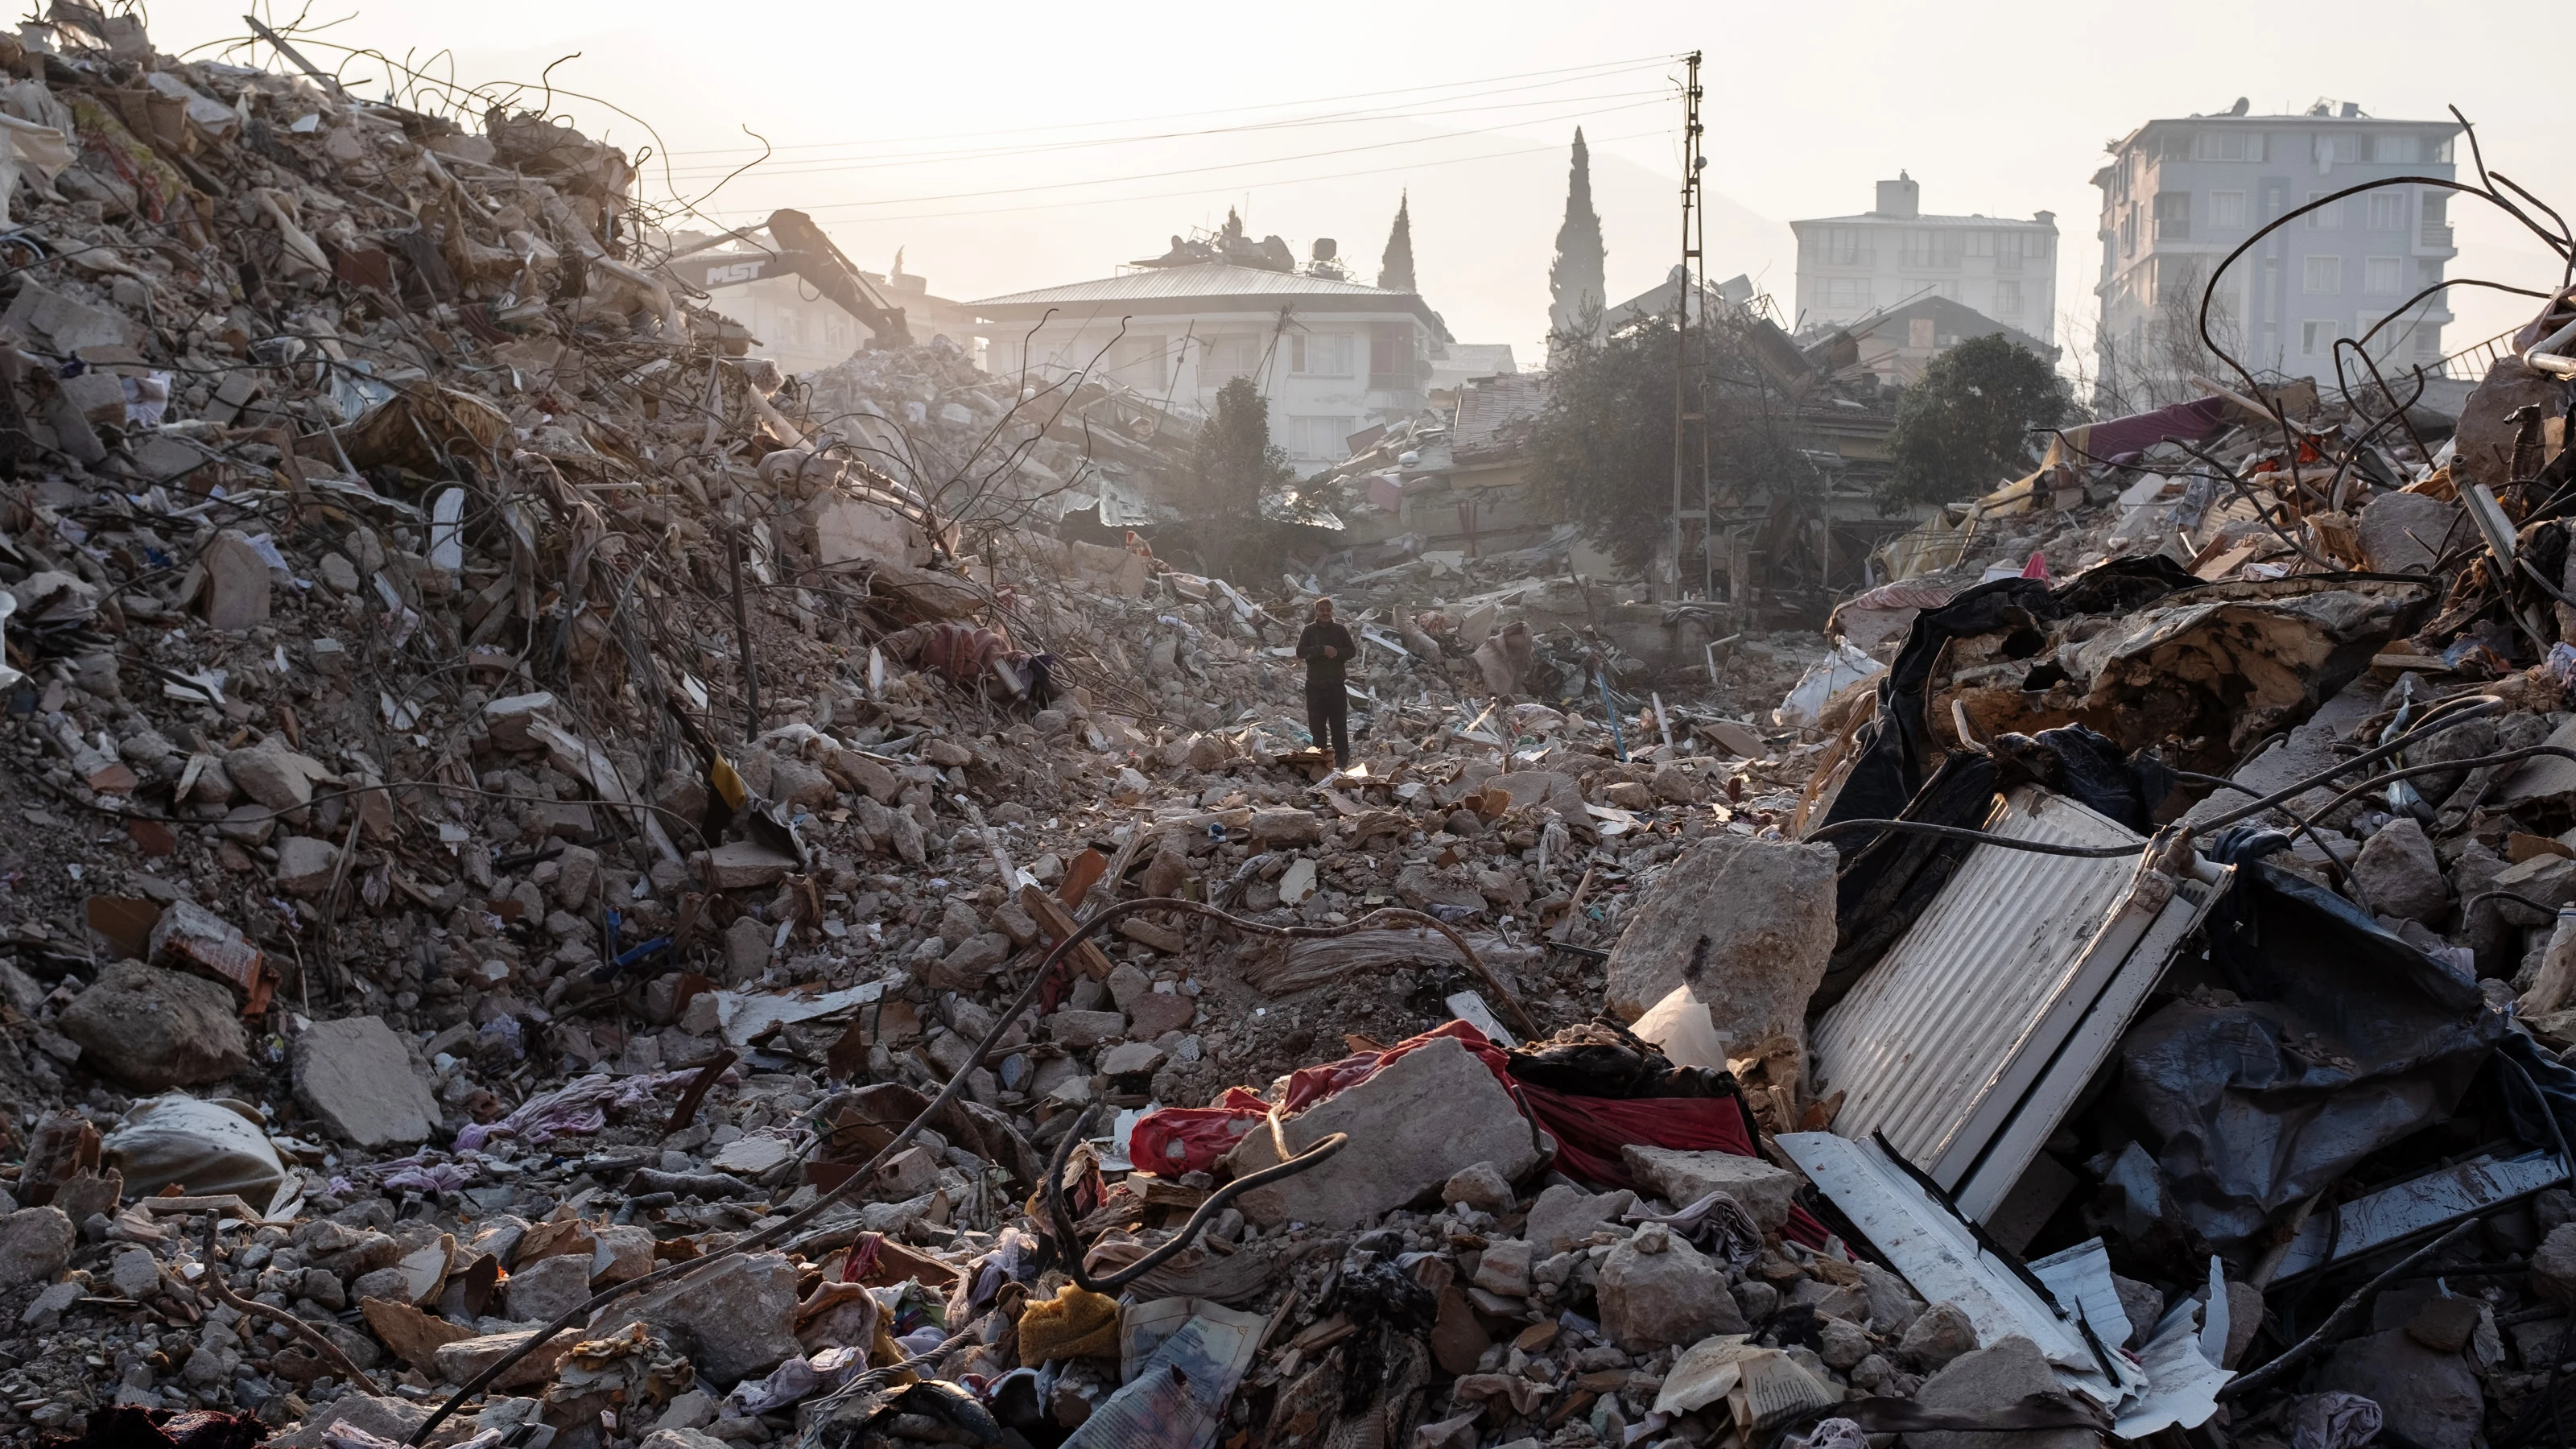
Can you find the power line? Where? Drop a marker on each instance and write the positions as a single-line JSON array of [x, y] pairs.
[[1597, 68], [830, 165], [1238, 165], [1202, 190]]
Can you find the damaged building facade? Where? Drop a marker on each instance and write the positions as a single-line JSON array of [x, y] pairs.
[[2180, 194]]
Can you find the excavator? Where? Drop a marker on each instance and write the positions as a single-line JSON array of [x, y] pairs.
[[801, 250]]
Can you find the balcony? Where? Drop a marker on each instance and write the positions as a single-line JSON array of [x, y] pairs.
[[2436, 236]]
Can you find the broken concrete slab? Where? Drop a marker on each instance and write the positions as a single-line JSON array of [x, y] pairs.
[[737, 1317], [1564, 1216], [305, 866], [1414, 1124], [2432, 1398], [35, 1243], [2399, 875], [1656, 1290], [1682, 1178], [237, 582], [746, 865], [1997, 1376], [549, 1288], [1747, 924], [357, 1077], [156, 1029], [2403, 533]]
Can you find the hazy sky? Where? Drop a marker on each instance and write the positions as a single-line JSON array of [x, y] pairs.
[[1011, 145]]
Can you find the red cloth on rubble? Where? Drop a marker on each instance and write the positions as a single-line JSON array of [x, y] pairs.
[[1589, 1131], [962, 653]]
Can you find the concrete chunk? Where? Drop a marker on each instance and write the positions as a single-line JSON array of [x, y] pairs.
[[1765, 910], [237, 585], [1683, 1178], [1656, 1290], [1418, 1122], [155, 1029], [35, 1243], [1995, 1377], [735, 1318], [357, 1076]]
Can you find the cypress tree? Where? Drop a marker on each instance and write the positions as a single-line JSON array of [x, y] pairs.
[[1395, 268], [1576, 292]]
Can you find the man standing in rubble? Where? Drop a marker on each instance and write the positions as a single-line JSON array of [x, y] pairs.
[[1326, 646]]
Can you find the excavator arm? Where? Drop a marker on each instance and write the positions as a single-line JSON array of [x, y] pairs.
[[801, 250], [805, 250]]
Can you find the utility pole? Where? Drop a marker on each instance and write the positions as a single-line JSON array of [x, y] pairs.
[[1690, 415]]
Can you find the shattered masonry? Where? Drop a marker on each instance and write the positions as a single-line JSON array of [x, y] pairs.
[[552, 860]]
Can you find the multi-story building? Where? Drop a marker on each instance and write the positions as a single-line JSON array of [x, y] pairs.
[[2179, 195], [1330, 357], [1852, 266]]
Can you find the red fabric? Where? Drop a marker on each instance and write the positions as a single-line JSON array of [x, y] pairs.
[[2037, 568], [961, 653], [1191, 1139], [1589, 1131]]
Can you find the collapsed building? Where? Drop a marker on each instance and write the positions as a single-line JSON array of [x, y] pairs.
[[569, 888]]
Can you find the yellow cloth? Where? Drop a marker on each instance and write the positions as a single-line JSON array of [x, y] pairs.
[[1072, 1324]]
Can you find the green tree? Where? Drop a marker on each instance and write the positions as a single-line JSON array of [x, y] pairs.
[[1233, 466], [1575, 288], [1964, 426], [1601, 447]]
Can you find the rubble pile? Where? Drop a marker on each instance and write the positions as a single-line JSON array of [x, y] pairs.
[[571, 889]]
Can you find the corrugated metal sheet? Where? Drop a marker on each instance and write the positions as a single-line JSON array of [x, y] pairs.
[[2076, 1035], [1921, 1042]]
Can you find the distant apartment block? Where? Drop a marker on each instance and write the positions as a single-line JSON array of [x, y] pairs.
[[1852, 267], [2179, 195]]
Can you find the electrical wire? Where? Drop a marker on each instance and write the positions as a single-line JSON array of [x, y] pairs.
[[1240, 165], [1203, 190]]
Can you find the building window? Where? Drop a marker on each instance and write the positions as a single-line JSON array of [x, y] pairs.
[[2317, 336], [2383, 276], [2226, 210], [2436, 227], [2321, 276], [2342, 146], [2010, 248], [2128, 231], [2007, 299], [2394, 147], [1139, 363], [1323, 439], [1918, 333], [1927, 247], [1229, 357], [1320, 354], [1844, 246], [2328, 217], [1847, 294], [2229, 146], [2387, 211], [2173, 216]]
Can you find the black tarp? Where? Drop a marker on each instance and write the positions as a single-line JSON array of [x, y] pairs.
[[1891, 880], [2341, 1040], [1893, 758]]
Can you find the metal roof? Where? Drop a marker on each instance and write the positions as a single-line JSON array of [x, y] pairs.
[[1881, 218], [1211, 282]]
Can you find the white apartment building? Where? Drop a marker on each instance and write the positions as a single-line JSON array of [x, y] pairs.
[[1852, 266], [1331, 357], [2179, 195]]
